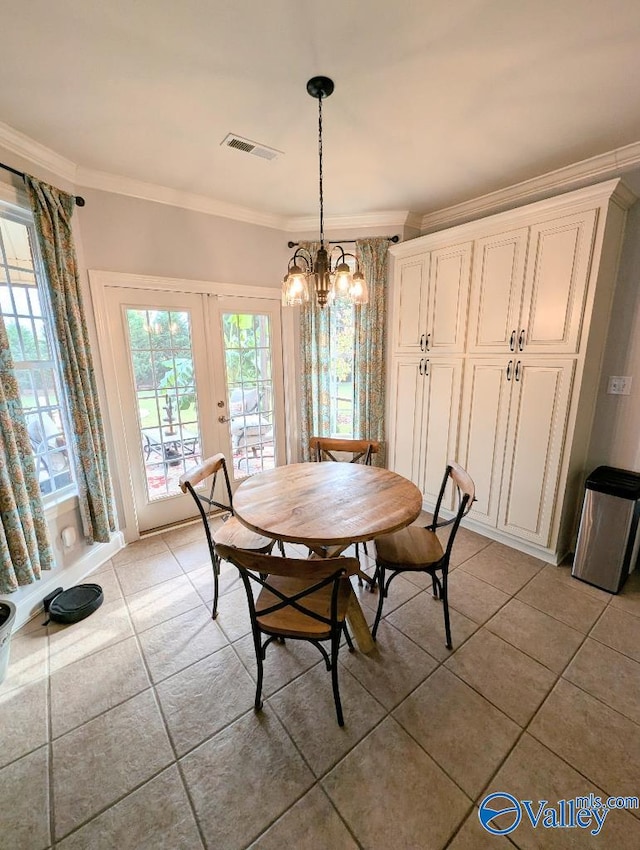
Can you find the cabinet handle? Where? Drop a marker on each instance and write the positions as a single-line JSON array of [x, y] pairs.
[[517, 372], [422, 342], [512, 341], [426, 344], [426, 366], [420, 366], [509, 367], [521, 340]]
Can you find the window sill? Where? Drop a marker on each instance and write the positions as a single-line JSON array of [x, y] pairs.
[[59, 504]]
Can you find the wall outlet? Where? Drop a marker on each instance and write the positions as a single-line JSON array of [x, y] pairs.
[[619, 385]]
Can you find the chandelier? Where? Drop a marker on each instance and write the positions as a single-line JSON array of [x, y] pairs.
[[328, 274]]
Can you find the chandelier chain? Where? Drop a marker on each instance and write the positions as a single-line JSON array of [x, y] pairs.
[[320, 170]]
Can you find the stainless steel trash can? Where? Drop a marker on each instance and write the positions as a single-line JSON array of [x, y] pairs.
[[608, 538]]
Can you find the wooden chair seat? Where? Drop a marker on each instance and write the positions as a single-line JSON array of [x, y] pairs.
[[291, 623], [414, 547], [233, 533]]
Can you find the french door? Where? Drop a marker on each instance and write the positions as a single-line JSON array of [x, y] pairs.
[[195, 374]]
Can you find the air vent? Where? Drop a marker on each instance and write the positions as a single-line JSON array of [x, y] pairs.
[[247, 146]]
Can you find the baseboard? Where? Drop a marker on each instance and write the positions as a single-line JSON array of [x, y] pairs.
[[31, 604]]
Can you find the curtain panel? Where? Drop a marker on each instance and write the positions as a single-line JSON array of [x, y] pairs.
[[52, 211], [24, 543]]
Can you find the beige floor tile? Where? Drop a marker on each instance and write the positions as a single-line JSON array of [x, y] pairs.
[[562, 573], [106, 626], [91, 685], [609, 676], [175, 644], [107, 580], [27, 658], [228, 581], [567, 604], [233, 614], [106, 758], [513, 682], [145, 572], [474, 598], [422, 619], [392, 794], [629, 597], [193, 555], [400, 590], [162, 602], [307, 711], [549, 641], [464, 733], [466, 545], [185, 534], [619, 630], [312, 824], [201, 700], [284, 662], [139, 550], [473, 836], [23, 720], [25, 803], [243, 779], [503, 567], [532, 772], [394, 668], [155, 817], [600, 743]]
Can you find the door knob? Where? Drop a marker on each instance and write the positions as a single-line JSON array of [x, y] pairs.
[[220, 403], [224, 419]]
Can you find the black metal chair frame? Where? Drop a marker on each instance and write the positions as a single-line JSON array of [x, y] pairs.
[[262, 566], [439, 584]]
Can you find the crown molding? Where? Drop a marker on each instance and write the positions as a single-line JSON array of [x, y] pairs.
[[21, 145], [392, 218], [600, 167]]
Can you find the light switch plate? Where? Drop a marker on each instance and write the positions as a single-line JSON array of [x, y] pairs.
[[619, 385]]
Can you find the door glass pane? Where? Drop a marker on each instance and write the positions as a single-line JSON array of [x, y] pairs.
[[167, 412], [247, 348]]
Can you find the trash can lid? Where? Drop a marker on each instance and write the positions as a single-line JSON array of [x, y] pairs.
[[615, 482]]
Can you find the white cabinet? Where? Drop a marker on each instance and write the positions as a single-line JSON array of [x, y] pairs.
[[430, 301], [425, 424], [514, 418], [518, 304]]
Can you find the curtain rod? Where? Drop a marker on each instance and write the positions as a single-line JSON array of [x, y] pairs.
[[79, 201], [340, 241]]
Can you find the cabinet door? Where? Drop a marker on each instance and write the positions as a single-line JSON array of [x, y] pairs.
[[483, 430], [407, 387], [411, 279], [558, 263], [540, 395], [440, 419], [448, 299], [496, 292]]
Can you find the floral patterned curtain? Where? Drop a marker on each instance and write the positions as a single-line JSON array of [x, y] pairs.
[[369, 354], [52, 211], [314, 359], [24, 543]]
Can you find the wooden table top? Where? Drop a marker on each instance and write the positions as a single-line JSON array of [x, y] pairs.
[[326, 504]]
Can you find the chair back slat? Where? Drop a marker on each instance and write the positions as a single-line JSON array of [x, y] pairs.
[[322, 448], [316, 568], [209, 468]]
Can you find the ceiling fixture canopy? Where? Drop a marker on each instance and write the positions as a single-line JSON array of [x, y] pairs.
[[328, 276]]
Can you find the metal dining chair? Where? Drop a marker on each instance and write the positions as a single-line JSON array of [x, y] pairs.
[[231, 532], [418, 549], [300, 599]]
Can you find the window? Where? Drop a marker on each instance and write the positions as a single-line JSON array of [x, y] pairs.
[[342, 330], [23, 304]]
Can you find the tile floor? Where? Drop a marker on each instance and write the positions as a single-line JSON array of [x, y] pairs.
[[135, 728]]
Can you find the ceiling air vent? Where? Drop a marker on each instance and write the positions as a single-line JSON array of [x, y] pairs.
[[247, 146]]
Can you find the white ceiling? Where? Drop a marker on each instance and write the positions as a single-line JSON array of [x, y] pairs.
[[435, 102]]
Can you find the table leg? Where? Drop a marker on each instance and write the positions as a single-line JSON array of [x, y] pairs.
[[358, 625]]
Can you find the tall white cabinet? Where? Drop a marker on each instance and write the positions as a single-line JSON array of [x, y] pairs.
[[497, 329]]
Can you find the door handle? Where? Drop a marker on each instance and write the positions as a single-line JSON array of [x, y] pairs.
[[420, 366], [509, 367], [512, 341], [224, 419], [426, 366], [521, 340], [426, 343], [422, 342], [518, 371]]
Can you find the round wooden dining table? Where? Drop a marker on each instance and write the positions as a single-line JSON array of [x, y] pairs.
[[327, 507]]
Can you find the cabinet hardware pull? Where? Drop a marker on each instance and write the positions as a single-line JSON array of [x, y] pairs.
[[509, 366], [426, 366], [512, 341], [420, 366], [521, 340], [517, 372], [422, 342], [426, 344]]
